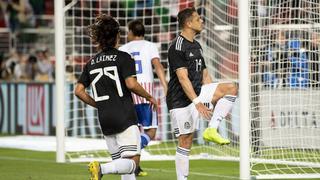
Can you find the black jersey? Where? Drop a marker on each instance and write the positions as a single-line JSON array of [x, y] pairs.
[[184, 54], [106, 72]]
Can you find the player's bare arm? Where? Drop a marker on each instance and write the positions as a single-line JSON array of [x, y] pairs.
[[160, 73], [133, 85], [186, 84], [80, 92], [206, 78]]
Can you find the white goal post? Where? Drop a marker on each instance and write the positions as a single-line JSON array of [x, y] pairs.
[[244, 89], [59, 80], [270, 47]]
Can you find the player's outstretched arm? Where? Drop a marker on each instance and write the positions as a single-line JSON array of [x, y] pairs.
[[186, 84], [80, 92], [160, 73], [133, 85]]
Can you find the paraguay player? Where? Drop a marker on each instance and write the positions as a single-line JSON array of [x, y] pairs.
[[146, 55]]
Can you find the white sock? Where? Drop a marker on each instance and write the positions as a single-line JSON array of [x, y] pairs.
[[145, 139], [221, 110], [118, 166], [182, 163], [128, 177]]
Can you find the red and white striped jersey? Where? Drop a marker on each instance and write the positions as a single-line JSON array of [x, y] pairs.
[[143, 52], [140, 100]]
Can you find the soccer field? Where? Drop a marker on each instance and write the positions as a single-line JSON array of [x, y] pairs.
[[32, 165]]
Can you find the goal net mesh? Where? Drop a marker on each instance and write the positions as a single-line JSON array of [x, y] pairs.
[[284, 82]]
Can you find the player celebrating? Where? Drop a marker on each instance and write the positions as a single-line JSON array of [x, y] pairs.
[[145, 54], [111, 75], [189, 87]]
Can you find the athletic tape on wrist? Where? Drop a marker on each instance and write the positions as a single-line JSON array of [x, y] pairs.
[[196, 100]]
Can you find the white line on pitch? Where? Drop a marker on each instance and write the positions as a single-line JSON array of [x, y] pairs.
[[195, 173]]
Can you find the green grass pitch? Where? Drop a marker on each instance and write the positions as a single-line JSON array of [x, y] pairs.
[[33, 165]]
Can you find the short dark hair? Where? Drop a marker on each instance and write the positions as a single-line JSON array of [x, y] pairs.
[[104, 31], [184, 15], [136, 27]]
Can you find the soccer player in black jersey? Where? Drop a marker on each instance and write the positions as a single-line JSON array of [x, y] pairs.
[[191, 86], [111, 74]]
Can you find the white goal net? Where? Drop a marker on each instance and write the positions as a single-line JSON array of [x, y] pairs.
[[285, 89]]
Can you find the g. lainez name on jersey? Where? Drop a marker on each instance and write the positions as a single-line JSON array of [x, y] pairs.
[[106, 73], [143, 52], [102, 58]]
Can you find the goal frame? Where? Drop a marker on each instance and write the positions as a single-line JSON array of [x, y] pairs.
[[244, 90], [60, 82]]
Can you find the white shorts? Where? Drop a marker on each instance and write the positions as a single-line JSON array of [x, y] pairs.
[[124, 144], [186, 120]]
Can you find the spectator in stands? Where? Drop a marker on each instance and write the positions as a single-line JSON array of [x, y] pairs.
[[44, 66], [8, 65], [281, 55], [13, 10], [267, 62], [274, 60], [32, 60], [22, 71], [20, 14], [314, 60], [26, 15]]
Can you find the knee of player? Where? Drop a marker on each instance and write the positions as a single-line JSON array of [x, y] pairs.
[[151, 133], [233, 89], [185, 143], [152, 136], [229, 89], [136, 160]]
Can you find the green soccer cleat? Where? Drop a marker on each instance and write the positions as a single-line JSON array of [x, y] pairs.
[[140, 172], [212, 135], [95, 170]]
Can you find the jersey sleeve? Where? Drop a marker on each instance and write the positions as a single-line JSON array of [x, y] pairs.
[[176, 59], [85, 77], [127, 66], [154, 53]]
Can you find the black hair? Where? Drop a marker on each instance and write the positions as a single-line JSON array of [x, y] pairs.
[[104, 31], [32, 59], [137, 28], [184, 15]]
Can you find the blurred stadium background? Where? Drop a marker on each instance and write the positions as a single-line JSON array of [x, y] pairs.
[[284, 86]]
